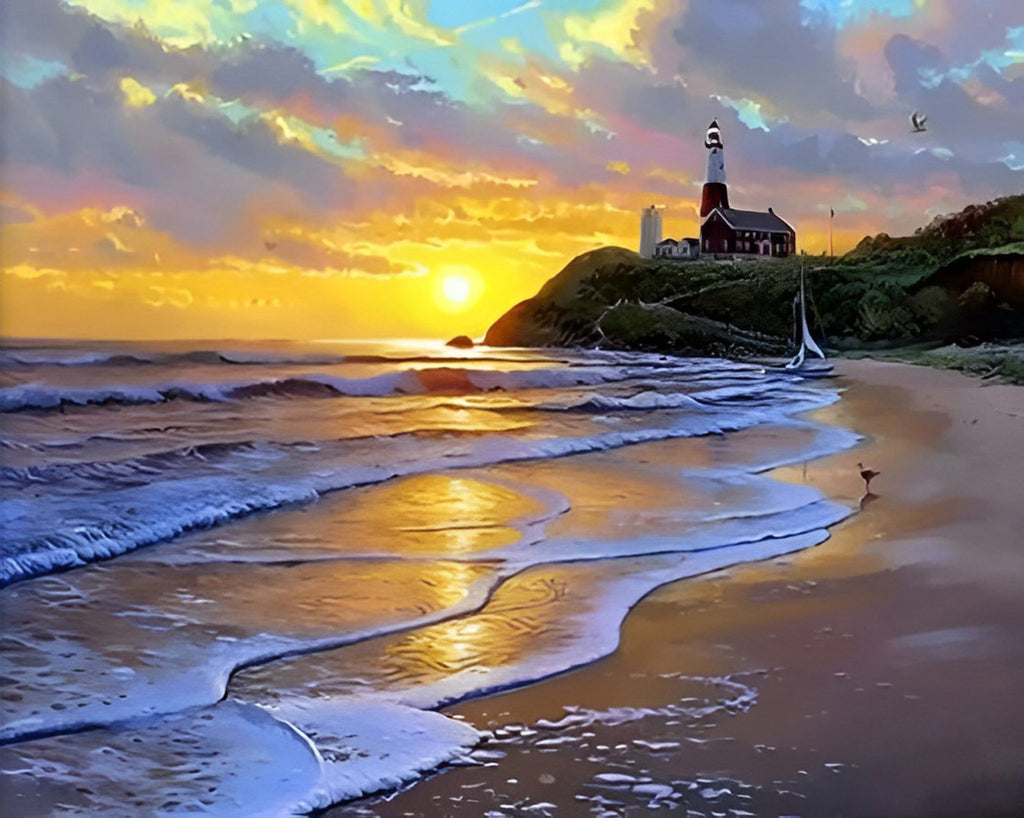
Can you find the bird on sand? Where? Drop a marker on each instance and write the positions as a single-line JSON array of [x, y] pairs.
[[867, 475]]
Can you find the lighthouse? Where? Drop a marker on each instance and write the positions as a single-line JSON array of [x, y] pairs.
[[715, 193], [727, 232], [650, 231]]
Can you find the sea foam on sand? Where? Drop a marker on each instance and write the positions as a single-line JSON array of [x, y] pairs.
[[234, 759]]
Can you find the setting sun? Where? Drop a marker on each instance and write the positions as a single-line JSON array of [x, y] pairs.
[[457, 287]]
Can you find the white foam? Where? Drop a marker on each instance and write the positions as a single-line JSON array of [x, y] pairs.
[[366, 745], [38, 395], [181, 661], [725, 534], [228, 760], [234, 759]]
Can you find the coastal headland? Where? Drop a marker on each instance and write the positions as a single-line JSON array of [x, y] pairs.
[[958, 280]]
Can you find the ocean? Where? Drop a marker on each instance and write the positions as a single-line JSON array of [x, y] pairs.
[[245, 578]]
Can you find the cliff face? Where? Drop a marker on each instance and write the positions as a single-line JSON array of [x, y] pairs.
[[563, 312], [959, 278], [1001, 271]]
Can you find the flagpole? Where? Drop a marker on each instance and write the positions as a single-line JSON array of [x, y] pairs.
[[831, 215]]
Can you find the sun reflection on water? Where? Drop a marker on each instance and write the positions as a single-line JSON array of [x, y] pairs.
[[456, 515], [523, 616]]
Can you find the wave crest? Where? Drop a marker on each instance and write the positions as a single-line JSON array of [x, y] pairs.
[[430, 380]]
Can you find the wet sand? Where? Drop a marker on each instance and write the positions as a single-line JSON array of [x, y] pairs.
[[878, 674]]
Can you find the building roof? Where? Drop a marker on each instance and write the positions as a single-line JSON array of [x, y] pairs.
[[675, 243], [753, 220]]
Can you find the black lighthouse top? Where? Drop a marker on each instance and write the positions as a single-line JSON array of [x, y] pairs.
[[714, 136]]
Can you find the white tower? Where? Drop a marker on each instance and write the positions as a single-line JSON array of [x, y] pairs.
[[715, 193], [650, 231]]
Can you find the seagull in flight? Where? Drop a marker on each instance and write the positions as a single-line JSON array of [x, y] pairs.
[[917, 121]]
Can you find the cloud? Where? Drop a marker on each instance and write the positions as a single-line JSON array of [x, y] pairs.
[[136, 94], [123, 216], [158, 295], [765, 53], [90, 46], [321, 253], [252, 146], [175, 153], [613, 27], [269, 75], [17, 213], [370, 144], [112, 250]]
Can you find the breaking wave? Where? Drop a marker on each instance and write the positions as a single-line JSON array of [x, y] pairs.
[[436, 380]]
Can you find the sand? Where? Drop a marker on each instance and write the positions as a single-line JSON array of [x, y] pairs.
[[884, 668]]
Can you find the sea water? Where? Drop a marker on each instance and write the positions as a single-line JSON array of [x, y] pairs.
[[242, 578]]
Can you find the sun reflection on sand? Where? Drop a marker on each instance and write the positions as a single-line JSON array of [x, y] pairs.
[[535, 616], [521, 618], [444, 514], [434, 515]]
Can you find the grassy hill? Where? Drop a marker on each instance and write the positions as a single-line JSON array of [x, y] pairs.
[[960, 278]]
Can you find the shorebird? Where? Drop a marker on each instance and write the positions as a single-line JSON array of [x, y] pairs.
[[867, 475], [917, 121]]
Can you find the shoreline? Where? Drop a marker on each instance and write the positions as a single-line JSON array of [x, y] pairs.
[[1001, 362], [870, 698]]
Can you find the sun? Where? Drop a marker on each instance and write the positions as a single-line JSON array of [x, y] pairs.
[[457, 288]]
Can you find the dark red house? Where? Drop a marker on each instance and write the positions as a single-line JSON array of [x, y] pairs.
[[746, 232]]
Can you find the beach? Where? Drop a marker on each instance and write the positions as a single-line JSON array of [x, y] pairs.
[[518, 583], [884, 666]]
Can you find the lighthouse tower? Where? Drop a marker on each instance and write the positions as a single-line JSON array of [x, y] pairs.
[[715, 193], [650, 231]]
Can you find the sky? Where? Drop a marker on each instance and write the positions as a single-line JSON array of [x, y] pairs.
[[412, 168]]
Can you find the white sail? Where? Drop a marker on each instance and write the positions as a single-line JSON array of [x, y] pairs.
[[806, 341]]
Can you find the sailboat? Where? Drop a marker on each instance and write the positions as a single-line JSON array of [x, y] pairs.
[[799, 363]]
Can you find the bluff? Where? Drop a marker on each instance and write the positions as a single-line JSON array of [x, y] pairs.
[[958, 279]]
